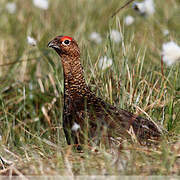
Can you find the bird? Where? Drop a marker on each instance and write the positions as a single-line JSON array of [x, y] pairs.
[[87, 117]]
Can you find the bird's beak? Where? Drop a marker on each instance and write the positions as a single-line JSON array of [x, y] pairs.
[[50, 44], [53, 44]]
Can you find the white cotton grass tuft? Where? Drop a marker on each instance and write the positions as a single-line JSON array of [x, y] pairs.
[[128, 20], [11, 7], [42, 4], [95, 37], [75, 127], [165, 32], [115, 36], [145, 7], [149, 5], [170, 53], [105, 62], [31, 86], [31, 41]]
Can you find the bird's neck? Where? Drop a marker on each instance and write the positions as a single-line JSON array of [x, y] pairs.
[[74, 82]]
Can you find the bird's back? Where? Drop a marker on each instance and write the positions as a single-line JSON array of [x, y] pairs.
[[96, 118]]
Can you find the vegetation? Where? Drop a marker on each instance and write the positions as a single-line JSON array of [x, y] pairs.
[[31, 87]]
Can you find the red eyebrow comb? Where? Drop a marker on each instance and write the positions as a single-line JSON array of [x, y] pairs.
[[66, 37]]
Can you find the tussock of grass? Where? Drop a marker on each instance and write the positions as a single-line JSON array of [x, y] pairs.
[[31, 88]]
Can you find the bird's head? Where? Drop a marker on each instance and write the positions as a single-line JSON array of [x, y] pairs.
[[65, 46]]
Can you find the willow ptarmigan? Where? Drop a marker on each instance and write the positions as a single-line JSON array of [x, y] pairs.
[[86, 116]]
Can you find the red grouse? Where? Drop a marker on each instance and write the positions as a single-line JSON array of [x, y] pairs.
[[86, 116]]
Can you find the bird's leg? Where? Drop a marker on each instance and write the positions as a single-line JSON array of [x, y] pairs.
[[71, 137]]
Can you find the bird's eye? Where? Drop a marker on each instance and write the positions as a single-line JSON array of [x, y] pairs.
[[66, 42]]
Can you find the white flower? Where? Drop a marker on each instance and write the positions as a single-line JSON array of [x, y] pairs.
[[96, 37], [0, 137], [75, 127], [165, 32], [139, 6], [31, 96], [104, 63], [149, 6], [170, 52], [31, 41], [145, 8], [31, 86], [115, 36], [42, 4], [128, 20], [11, 7]]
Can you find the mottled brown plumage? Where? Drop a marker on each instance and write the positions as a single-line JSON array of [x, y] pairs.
[[86, 116]]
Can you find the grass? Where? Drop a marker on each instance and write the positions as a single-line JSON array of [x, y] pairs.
[[31, 87]]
